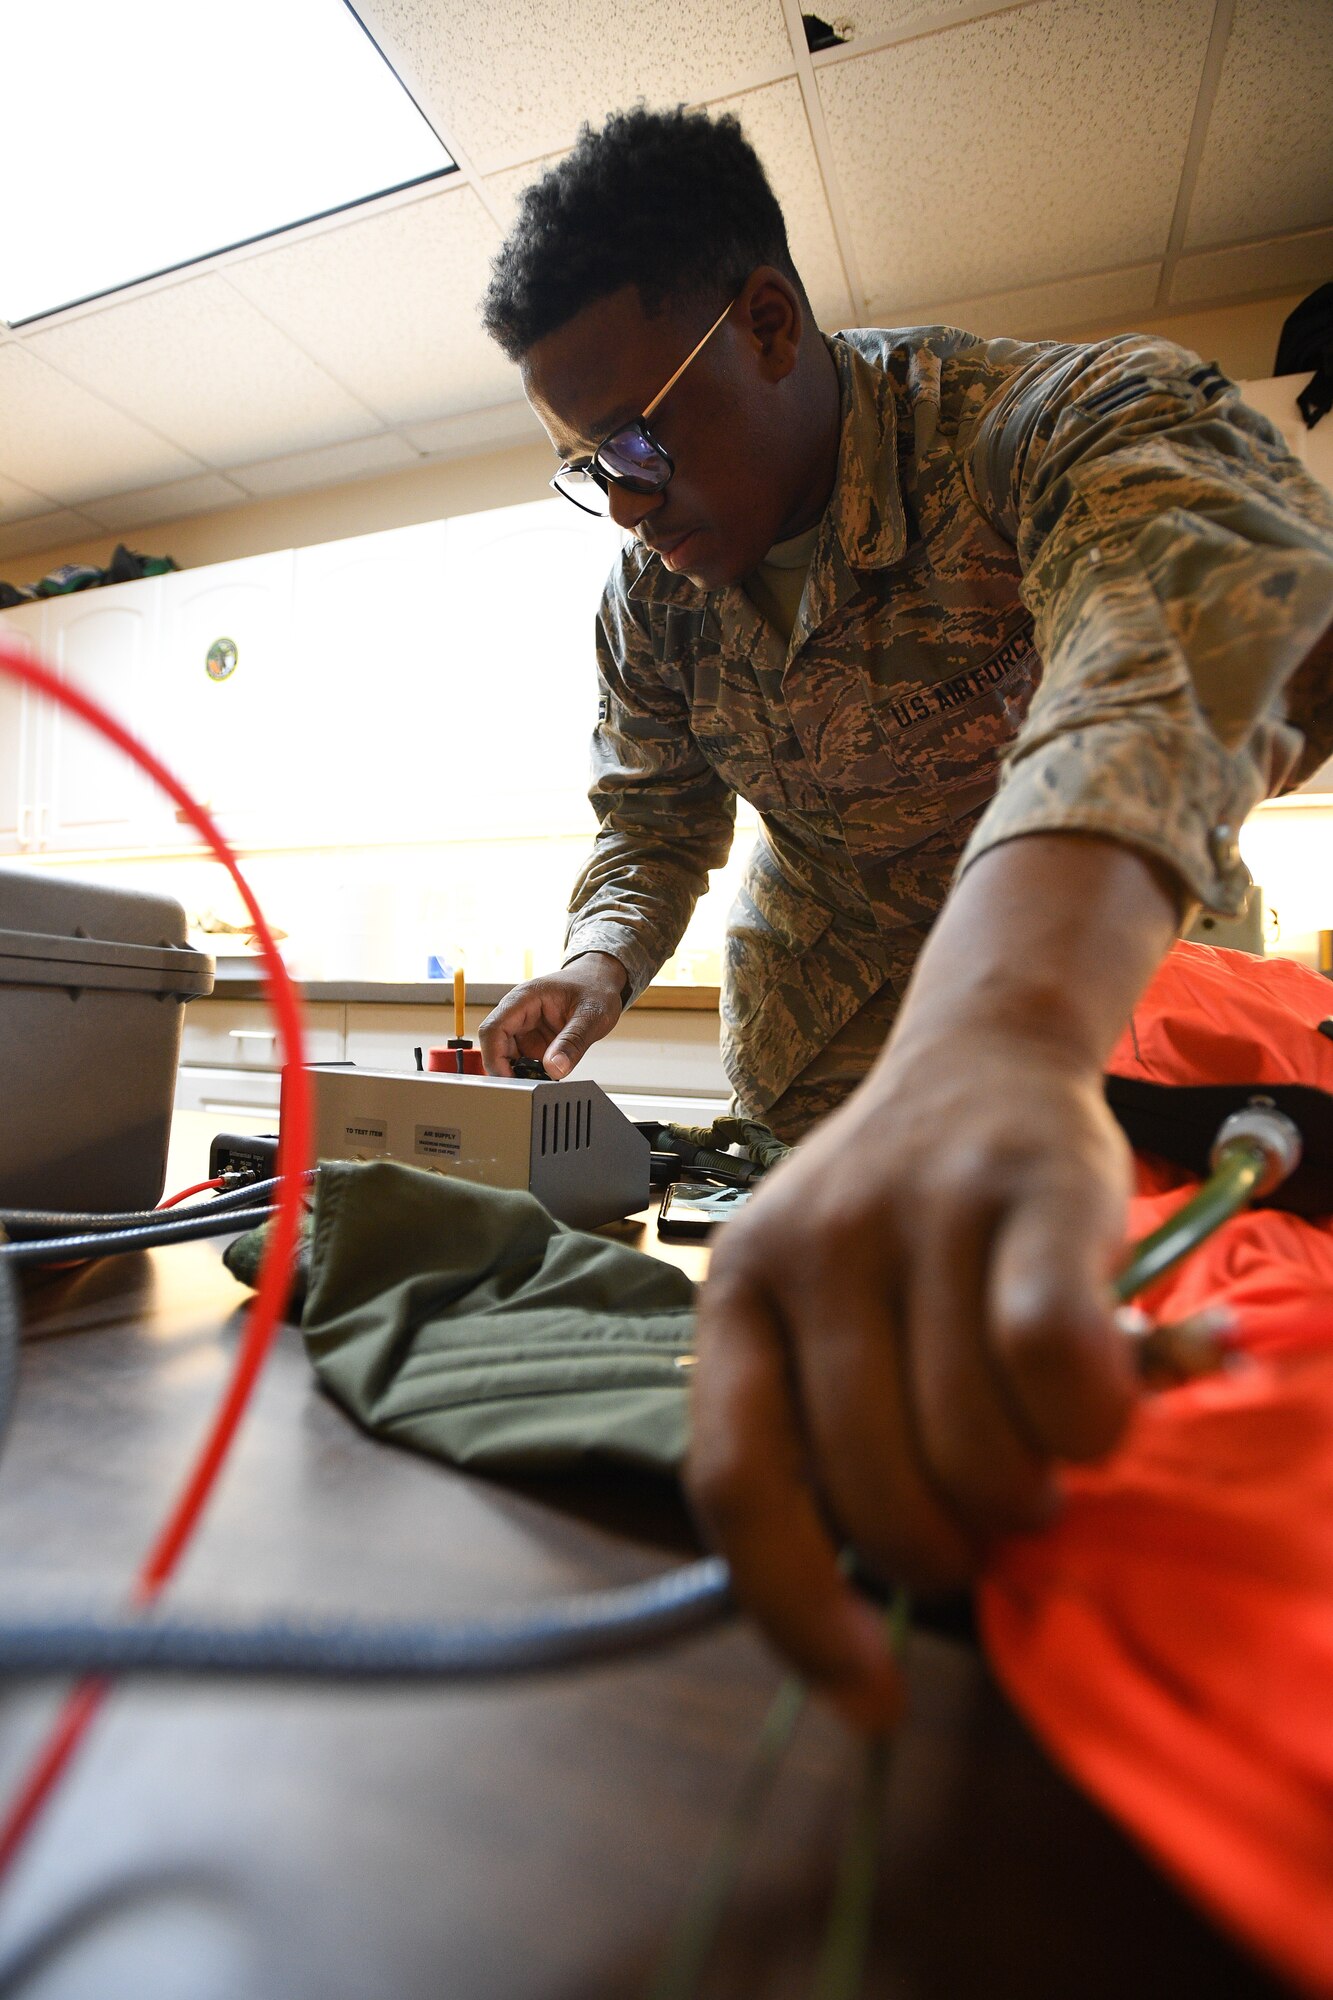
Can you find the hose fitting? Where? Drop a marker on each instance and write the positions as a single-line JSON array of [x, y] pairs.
[[1260, 1127]]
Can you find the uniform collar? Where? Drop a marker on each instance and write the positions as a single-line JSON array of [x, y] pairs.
[[864, 517]]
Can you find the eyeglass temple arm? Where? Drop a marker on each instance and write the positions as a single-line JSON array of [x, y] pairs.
[[662, 394]]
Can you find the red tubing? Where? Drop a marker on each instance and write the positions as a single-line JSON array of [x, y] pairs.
[[200, 1187], [274, 1278]]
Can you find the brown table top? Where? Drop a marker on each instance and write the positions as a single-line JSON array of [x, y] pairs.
[[531, 1841]]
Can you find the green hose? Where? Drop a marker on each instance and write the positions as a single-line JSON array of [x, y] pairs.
[[841, 1968], [691, 1942], [1242, 1167]]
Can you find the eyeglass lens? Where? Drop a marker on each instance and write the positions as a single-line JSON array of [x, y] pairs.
[[636, 458], [585, 489], [629, 457]]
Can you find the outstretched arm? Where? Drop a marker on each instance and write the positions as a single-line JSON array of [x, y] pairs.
[[911, 1325]]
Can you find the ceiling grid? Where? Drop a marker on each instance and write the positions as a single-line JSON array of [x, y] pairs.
[[1223, 15], [1018, 165], [814, 111]]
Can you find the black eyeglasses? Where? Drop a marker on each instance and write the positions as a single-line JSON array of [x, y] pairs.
[[630, 456]]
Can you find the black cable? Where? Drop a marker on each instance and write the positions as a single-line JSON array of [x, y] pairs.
[[564, 1632], [568, 1632], [25, 1223], [110, 1242]]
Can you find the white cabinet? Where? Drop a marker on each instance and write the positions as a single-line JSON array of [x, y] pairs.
[[447, 676], [432, 682], [512, 711], [368, 644], [62, 785], [221, 704], [383, 1036], [224, 1034], [22, 626], [90, 794], [664, 1059]]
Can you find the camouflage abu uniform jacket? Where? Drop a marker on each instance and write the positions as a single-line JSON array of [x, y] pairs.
[[1094, 566]]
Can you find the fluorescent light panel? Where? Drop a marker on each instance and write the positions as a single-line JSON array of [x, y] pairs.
[[147, 134]]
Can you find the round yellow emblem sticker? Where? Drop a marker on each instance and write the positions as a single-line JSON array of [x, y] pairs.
[[220, 659]]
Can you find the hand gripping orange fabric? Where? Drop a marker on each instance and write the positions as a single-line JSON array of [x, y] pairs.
[[1170, 1638]]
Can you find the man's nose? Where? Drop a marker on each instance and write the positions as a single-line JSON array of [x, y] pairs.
[[629, 508]]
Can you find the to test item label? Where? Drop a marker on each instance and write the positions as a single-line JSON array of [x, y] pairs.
[[366, 1132], [439, 1142]]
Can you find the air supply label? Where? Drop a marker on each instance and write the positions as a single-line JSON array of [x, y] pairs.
[[439, 1142]]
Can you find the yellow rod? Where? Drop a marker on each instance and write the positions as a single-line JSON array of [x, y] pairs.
[[460, 1001]]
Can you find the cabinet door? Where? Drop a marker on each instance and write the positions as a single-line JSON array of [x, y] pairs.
[[223, 714], [101, 642], [221, 1033], [368, 643], [512, 709], [18, 708]]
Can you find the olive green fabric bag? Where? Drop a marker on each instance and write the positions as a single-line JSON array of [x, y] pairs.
[[468, 1323]]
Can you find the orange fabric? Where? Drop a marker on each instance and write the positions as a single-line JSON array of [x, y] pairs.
[[1214, 1016], [1170, 1638]]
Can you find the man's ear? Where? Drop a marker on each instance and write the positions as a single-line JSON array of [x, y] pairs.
[[776, 318]]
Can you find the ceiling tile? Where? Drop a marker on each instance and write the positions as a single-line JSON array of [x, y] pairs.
[[337, 462], [492, 429], [166, 503], [20, 503], [866, 18], [512, 82], [200, 364], [59, 439], [48, 531], [389, 305], [1267, 164], [775, 123], [993, 154], [1278, 266], [504, 188], [1036, 311]]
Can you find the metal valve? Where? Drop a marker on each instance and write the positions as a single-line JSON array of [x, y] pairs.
[[1263, 1126]]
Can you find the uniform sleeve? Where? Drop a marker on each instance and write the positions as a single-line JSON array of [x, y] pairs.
[[665, 817], [1178, 563]]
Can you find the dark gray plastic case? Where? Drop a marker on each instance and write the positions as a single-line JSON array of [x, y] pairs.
[[92, 983]]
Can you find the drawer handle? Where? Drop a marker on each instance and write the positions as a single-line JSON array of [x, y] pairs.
[[253, 1034]]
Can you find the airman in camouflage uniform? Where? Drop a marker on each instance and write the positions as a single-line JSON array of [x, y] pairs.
[[1055, 589], [909, 1332]]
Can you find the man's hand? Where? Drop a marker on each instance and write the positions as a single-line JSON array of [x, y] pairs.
[[911, 1325], [556, 1017]]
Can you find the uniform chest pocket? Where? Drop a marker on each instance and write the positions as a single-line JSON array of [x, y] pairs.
[[744, 754]]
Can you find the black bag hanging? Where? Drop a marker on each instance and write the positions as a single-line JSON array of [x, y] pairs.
[[1307, 342]]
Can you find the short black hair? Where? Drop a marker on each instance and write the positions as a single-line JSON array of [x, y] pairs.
[[674, 202]]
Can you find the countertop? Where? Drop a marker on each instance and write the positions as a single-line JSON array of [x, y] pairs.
[[440, 993], [524, 1841]]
